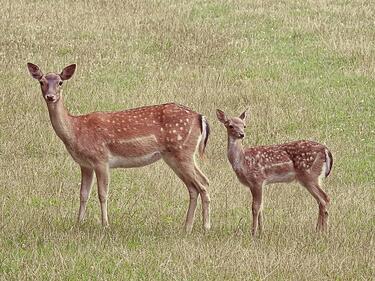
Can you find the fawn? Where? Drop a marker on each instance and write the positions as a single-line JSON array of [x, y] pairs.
[[305, 161], [136, 137]]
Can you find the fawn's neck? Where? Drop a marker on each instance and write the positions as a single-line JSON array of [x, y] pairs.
[[61, 121], [236, 154]]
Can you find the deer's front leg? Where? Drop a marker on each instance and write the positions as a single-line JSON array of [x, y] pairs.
[[102, 177], [87, 176], [256, 209]]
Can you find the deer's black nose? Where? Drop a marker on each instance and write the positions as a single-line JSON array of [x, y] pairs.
[[241, 135], [50, 97]]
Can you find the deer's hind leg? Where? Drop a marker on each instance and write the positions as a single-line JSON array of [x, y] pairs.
[[185, 168], [312, 185]]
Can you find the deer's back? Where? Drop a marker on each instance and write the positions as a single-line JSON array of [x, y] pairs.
[[304, 153], [281, 163]]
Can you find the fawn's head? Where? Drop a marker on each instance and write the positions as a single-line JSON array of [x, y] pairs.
[[235, 125], [51, 83]]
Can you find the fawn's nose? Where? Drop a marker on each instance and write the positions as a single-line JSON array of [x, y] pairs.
[[50, 97], [241, 135]]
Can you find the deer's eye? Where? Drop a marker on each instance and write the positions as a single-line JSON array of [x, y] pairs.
[[60, 83], [230, 126], [244, 126]]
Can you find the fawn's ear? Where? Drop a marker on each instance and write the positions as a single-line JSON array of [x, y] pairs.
[[68, 72], [34, 70], [221, 116], [243, 114]]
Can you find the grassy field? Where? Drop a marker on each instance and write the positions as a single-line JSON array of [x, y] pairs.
[[305, 69]]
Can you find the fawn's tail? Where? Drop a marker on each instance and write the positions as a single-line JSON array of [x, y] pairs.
[[329, 162]]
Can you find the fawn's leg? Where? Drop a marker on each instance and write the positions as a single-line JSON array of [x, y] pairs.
[[322, 198], [256, 209]]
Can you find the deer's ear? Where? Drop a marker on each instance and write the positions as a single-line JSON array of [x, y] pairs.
[[34, 70], [221, 116], [243, 114], [68, 72]]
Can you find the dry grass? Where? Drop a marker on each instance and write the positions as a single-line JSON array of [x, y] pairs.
[[306, 69]]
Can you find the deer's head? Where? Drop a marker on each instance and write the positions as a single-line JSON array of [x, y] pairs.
[[235, 125], [51, 83]]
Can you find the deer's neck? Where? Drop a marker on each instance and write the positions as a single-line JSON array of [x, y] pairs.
[[236, 154], [61, 121]]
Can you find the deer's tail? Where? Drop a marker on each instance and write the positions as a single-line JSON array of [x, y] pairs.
[[205, 129], [329, 162]]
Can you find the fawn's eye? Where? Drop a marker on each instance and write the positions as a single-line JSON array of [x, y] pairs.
[[244, 126], [230, 126], [60, 83]]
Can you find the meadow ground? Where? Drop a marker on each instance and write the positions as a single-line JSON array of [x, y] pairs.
[[305, 69]]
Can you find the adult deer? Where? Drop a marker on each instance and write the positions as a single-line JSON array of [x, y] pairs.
[[136, 137], [305, 161]]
